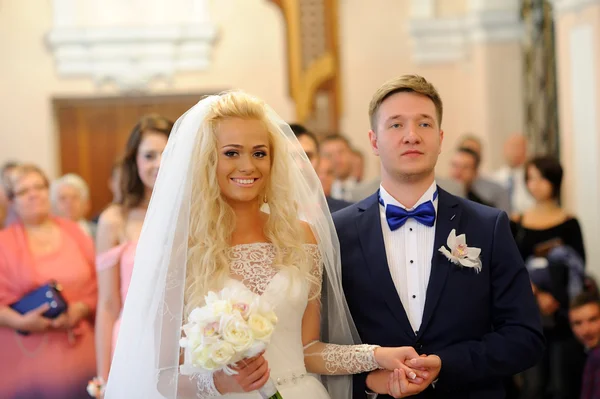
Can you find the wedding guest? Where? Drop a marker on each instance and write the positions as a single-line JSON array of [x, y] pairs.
[[337, 148], [322, 165], [464, 167], [585, 322], [483, 187], [56, 357], [512, 175], [358, 165], [538, 231], [70, 198], [119, 229], [9, 213]]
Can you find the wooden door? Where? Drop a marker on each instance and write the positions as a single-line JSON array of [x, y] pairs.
[[93, 133]]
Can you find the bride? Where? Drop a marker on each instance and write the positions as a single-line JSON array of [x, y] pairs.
[[237, 202]]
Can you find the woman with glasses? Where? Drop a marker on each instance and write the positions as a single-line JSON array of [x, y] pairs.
[[45, 358]]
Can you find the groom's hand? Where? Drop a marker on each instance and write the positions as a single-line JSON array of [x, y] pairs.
[[399, 386], [431, 363], [399, 358]]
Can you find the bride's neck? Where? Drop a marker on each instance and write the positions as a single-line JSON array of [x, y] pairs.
[[248, 217]]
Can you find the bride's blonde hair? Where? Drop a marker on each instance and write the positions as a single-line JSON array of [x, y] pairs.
[[212, 220]]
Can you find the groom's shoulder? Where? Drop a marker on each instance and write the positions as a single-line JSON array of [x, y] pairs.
[[478, 212], [347, 215]]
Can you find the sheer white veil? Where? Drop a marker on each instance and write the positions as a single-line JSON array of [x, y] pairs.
[[147, 356]]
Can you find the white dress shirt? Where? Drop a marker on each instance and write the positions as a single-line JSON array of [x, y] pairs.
[[409, 250], [520, 199]]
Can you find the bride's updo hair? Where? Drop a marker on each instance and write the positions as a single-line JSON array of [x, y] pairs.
[[212, 220]]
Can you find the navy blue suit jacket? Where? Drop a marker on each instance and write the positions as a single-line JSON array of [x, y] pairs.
[[484, 326], [336, 204]]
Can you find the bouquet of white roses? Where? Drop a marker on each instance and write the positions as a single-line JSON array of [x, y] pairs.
[[232, 326]]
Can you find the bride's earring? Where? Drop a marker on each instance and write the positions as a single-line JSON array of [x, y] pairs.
[[265, 199]]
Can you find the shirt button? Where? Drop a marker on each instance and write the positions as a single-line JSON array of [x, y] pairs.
[[410, 229], [414, 296], [412, 261]]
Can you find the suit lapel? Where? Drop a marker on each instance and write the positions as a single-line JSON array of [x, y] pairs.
[[448, 217], [368, 224]]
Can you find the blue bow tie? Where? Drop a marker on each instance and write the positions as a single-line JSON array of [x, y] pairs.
[[397, 216]]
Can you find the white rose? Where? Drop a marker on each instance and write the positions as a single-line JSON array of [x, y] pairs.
[[263, 307], [261, 327], [235, 331], [203, 315], [271, 316], [211, 297], [243, 308], [192, 328], [210, 330], [221, 353], [222, 307], [193, 336], [201, 358]]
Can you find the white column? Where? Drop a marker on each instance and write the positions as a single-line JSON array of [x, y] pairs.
[[199, 12], [422, 9], [64, 13], [577, 25], [494, 5], [584, 107]]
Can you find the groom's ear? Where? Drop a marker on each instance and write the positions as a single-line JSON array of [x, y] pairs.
[[374, 143]]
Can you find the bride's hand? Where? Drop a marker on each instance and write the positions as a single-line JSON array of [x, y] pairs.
[[397, 358], [252, 374]]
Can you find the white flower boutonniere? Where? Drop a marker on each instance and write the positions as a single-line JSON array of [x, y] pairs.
[[460, 254]]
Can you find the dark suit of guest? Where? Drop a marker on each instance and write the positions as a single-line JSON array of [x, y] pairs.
[[484, 326], [590, 388]]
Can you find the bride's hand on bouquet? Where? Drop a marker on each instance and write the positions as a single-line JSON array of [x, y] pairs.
[[398, 358], [252, 374]]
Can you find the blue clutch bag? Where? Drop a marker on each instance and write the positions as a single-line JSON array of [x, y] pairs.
[[48, 293]]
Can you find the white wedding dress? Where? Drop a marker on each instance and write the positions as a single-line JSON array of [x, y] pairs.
[[251, 267]]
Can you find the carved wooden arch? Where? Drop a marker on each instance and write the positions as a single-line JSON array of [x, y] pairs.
[[313, 61]]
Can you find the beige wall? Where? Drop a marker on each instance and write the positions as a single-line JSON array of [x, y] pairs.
[[250, 54], [450, 8], [28, 81]]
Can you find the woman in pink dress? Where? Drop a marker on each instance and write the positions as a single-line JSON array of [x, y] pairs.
[[119, 228], [56, 358]]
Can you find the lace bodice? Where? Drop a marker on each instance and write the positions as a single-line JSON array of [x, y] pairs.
[[252, 264]]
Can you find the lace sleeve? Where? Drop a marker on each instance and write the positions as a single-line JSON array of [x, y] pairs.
[[331, 359], [316, 271], [198, 385]]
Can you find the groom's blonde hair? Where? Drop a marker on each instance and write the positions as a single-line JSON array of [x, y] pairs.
[[405, 83]]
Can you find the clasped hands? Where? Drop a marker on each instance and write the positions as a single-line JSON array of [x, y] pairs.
[[404, 372]]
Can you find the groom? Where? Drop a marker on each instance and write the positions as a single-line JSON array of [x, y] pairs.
[[471, 309]]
